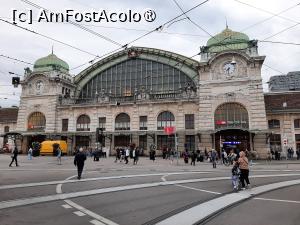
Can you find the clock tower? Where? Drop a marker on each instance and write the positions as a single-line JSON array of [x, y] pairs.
[[231, 105], [42, 89]]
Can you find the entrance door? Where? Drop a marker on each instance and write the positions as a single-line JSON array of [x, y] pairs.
[[238, 140]]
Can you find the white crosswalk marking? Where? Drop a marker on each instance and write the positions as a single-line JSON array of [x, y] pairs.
[[67, 206], [96, 222], [197, 189], [277, 200], [78, 213]]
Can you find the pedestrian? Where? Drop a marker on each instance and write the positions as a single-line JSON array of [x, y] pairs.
[[298, 153], [118, 156], [186, 156], [193, 158], [235, 171], [127, 153], [79, 159], [30, 153], [244, 168], [172, 153], [152, 155], [14, 157], [58, 155], [135, 154], [214, 156]]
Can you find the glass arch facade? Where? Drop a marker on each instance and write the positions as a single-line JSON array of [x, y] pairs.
[[231, 115], [36, 121], [125, 78], [165, 119], [122, 122], [83, 123]]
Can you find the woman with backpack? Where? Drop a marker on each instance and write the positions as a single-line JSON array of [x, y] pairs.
[[244, 167]]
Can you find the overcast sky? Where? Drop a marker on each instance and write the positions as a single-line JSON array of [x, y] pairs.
[[181, 37]]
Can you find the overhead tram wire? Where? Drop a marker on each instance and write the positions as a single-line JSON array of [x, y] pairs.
[[223, 39], [18, 60], [285, 18], [48, 37], [279, 42], [76, 24], [269, 12], [149, 32], [162, 26]]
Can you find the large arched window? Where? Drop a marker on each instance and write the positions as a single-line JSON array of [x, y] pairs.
[[83, 123], [231, 115], [36, 122], [122, 122], [136, 75], [274, 124], [165, 119]]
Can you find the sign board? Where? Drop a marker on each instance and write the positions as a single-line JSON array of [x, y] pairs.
[[169, 130], [285, 141]]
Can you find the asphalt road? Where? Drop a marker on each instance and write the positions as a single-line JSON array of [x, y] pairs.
[[134, 195]]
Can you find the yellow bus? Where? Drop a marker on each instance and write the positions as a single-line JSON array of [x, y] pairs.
[[47, 147]]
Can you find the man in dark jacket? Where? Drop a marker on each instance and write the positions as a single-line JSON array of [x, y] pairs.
[[79, 159], [14, 157]]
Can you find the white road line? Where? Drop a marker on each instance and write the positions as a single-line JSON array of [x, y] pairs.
[[93, 179], [90, 213], [66, 206], [277, 200], [163, 178], [48, 198], [79, 213], [196, 189], [206, 209], [96, 222], [84, 210]]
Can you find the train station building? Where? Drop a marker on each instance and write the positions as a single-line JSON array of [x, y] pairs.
[[131, 96]]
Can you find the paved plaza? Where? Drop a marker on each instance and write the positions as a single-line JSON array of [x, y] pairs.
[[40, 191]]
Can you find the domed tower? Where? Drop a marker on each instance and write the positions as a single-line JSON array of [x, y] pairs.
[[231, 106], [42, 90]]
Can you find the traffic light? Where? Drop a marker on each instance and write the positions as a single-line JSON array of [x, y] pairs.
[[16, 81]]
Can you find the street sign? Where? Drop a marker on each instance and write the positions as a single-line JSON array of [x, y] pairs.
[[285, 141]]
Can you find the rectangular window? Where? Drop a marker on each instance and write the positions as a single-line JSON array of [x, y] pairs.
[[297, 138], [102, 123], [274, 124], [275, 142], [6, 129], [143, 122], [189, 121], [189, 142], [297, 123], [65, 124]]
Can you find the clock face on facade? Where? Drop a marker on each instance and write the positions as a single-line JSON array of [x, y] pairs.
[[228, 68]]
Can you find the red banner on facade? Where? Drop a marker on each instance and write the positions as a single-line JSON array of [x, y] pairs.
[[220, 122], [169, 130]]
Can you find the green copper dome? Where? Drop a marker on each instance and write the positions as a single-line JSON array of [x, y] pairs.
[[49, 63], [228, 40]]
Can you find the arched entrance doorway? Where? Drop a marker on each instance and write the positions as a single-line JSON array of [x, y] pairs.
[[231, 126]]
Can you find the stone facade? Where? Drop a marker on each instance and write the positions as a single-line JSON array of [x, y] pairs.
[[230, 75]]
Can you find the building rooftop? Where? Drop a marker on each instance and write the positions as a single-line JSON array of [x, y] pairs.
[[8, 115], [289, 82]]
